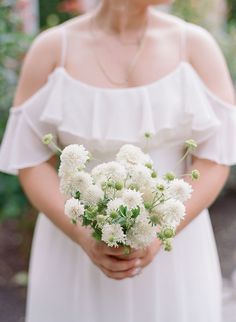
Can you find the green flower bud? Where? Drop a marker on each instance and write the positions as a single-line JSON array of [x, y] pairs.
[[195, 174], [168, 233], [147, 135], [133, 187], [161, 187], [119, 186], [190, 144], [167, 245], [169, 176], [113, 215], [148, 165], [47, 139], [154, 174], [110, 184], [147, 205]]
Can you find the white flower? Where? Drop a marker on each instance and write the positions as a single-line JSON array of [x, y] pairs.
[[132, 154], [79, 181], [140, 176], [113, 171], [114, 204], [172, 211], [132, 199], [162, 184], [113, 234], [180, 190], [92, 195], [148, 194], [74, 209], [73, 157], [141, 234]]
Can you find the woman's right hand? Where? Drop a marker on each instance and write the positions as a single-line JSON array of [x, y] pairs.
[[106, 258]]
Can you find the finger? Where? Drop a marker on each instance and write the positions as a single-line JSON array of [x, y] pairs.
[[121, 275], [114, 251], [115, 265], [145, 260]]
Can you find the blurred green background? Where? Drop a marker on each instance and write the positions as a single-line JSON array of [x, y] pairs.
[[221, 21]]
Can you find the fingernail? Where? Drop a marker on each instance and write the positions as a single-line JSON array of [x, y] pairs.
[[138, 262], [135, 271]]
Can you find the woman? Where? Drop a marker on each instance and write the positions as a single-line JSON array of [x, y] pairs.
[[103, 79]]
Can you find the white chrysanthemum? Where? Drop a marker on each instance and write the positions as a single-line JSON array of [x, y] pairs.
[[92, 195], [141, 234], [180, 190], [79, 181], [139, 176], [132, 154], [113, 171], [114, 204], [162, 184], [74, 209], [132, 199], [98, 173], [73, 157], [113, 234], [148, 194], [172, 211]]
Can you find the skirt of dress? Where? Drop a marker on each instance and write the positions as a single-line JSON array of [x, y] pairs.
[[183, 285]]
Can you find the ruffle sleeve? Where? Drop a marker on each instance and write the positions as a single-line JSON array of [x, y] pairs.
[[218, 142], [22, 145]]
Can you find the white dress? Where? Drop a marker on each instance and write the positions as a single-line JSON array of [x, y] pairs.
[[183, 285]]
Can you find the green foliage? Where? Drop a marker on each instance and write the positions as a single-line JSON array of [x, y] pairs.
[[13, 44], [50, 13], [232, 10], [199, 12], [193, 11]]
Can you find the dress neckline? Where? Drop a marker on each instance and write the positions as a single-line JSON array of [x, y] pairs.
[[133, 89], [169, 75], [60, 70]]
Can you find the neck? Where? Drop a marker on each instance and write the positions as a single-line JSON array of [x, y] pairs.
[[119, 16]]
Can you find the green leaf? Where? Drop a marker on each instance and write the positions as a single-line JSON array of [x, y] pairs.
[[97, 234], [77, 195], [135, 212]]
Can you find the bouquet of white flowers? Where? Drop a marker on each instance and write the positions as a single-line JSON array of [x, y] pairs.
[[123, 201]]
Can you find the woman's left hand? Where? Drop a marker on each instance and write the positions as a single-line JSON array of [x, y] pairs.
[[145, 256]]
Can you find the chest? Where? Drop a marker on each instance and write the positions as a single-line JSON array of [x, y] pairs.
[[102, 60]]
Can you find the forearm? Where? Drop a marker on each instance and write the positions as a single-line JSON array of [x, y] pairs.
[[212, 179], [41, 185]]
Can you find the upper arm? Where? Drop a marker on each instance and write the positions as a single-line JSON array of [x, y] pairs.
[[42, 57], [206, 57]]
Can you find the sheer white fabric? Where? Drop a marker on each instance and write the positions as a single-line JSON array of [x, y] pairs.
[[180, 286], [106, 118]]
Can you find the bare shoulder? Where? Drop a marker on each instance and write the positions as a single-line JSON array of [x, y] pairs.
[[205, 55], [40, 60]]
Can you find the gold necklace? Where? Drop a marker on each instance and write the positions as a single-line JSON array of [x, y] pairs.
[[132, 64]]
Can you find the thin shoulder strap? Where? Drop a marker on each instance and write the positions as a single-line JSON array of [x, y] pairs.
[[63, 46], [183, 42]]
